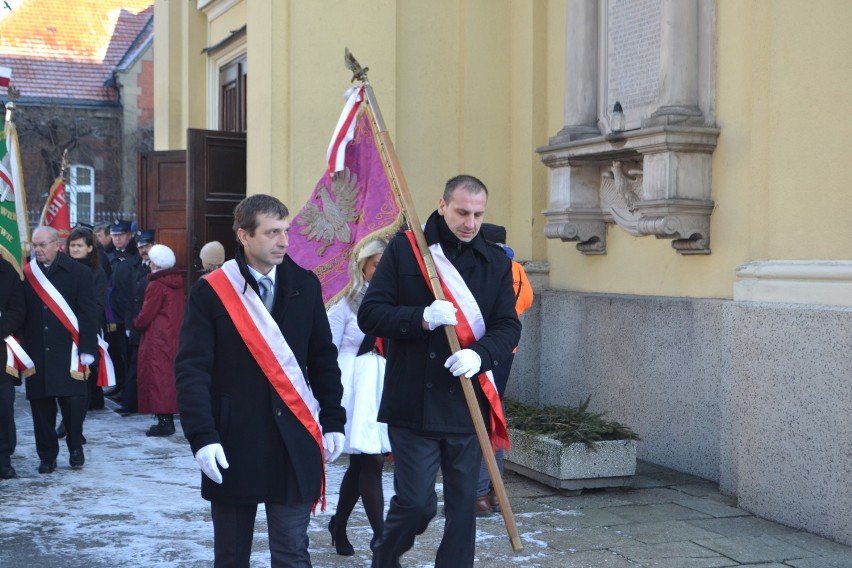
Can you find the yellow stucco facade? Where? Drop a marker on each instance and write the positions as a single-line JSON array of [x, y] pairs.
[[475, 86]]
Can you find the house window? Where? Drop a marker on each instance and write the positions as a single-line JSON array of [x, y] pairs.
[[81, 194], [232, 96]]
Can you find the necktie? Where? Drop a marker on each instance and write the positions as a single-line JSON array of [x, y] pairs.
[[266, 294]]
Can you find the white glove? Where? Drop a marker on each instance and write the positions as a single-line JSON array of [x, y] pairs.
[[127, 332], [441, 312], [465, 362], [207, 458], [332, 445], [87, 359]]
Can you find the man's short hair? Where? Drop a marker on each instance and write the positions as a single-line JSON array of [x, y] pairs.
[[247, 211], [466, 182], [102, 228]]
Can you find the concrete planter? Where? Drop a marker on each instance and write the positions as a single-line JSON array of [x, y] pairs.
[[573, 466]]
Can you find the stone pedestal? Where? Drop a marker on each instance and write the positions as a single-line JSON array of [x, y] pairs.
[[571, 467]]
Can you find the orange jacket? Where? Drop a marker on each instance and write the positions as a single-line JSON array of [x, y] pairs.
[[523, 291]]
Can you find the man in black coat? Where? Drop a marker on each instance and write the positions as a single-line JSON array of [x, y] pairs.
[[12, 312], [253, 443], [49, 344], [132, 283], [423, 404], [122, 256]]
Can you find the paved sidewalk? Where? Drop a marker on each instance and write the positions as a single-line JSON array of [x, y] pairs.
[[137, 503]]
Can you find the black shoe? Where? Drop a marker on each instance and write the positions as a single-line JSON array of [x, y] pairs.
[[47, 466], [339, 540], [113, 393], [61, 431], [165, 426], [124, 411], [8, 472], [77, 459]]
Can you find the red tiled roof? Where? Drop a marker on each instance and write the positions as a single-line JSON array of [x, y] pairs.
[[67, 49]]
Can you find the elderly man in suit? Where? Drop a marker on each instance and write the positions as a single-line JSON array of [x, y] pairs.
[[60, 334], [259, 390]]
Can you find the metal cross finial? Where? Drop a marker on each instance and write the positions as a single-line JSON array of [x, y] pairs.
[[358, 73]]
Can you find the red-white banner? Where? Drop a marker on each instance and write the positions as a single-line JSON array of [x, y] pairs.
[[344, 132], [57, 210], [5, 76]]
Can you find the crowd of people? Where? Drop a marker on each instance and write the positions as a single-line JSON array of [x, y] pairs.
[[82, 300], [270, 386]]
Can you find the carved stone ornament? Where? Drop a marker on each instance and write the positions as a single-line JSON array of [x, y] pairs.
[[649, 181]]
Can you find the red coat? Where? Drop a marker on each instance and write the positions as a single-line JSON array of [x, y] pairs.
[[159, 325]]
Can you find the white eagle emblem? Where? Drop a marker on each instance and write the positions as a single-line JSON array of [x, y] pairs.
[[338, 210]]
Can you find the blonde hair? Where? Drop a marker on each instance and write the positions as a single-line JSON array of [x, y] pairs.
[[356, 266]]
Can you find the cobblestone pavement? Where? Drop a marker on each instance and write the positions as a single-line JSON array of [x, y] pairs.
[[137, 503]]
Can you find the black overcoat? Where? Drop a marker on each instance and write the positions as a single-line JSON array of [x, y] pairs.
[[419, 393], [225, 398], [12, 310], [121, 265], [47, 341]]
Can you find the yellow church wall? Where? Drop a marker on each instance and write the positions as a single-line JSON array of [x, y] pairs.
[[777, 176], [223, 24]]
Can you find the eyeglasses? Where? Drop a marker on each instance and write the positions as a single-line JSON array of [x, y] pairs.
[[43, 245]]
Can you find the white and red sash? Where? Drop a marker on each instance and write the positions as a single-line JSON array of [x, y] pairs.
[[54, 301], [470, 327], [270, 350], [52, 298], [18, 363]]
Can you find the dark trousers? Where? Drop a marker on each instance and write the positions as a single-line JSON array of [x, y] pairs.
[[44, 423], [416, 460], [501, 379], [129, 395], [117, 350], [8, 433], [233, 531], [96, 393]]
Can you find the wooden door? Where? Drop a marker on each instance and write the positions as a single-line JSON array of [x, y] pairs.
[[216, 181], [161, 196]]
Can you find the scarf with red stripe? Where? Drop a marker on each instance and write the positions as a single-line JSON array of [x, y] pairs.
[[267, 344], [470, 327]]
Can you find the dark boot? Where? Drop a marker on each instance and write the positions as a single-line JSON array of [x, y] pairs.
[[165, 426], [339, 540]]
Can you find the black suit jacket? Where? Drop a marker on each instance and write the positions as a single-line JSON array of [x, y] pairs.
[[12, 309], [419, 393], [46, 340], [224, 397]]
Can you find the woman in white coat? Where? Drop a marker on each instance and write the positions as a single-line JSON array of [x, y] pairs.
[[362, 367]]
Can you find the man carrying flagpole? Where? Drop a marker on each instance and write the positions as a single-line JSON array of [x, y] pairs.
[[429, 422], [60, 334], [259, 390]]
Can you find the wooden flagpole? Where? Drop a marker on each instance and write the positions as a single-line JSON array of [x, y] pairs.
[[400, 186]]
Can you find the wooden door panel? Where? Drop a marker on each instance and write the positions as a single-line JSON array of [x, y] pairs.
[[161, 194], [216, 180]]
